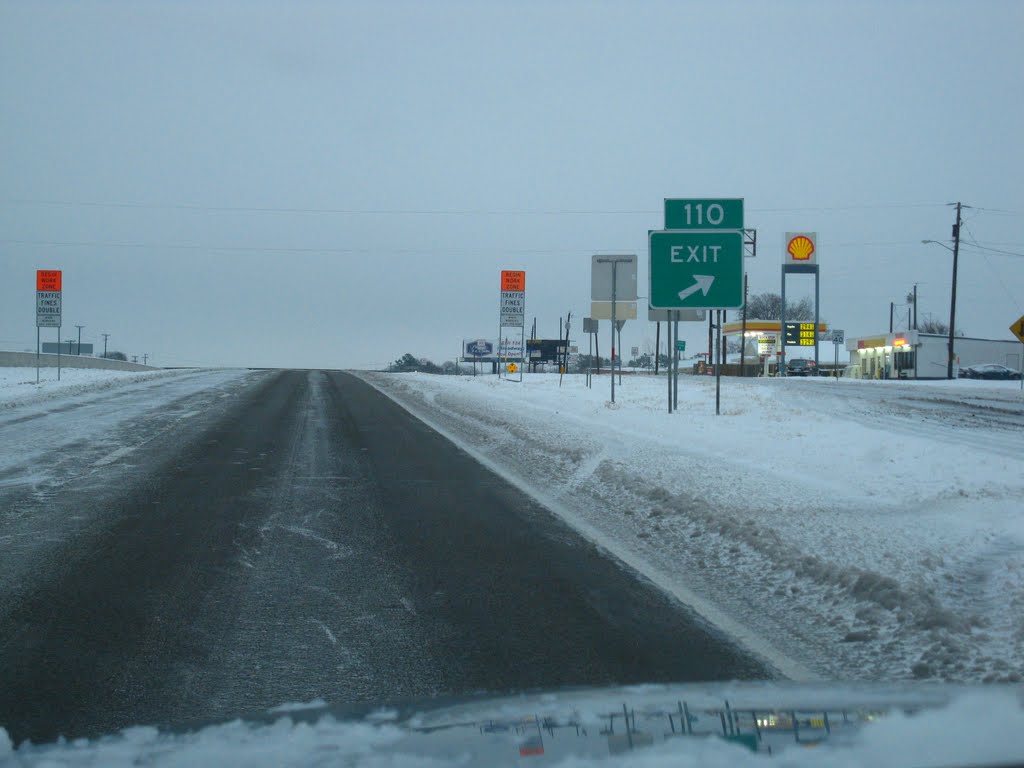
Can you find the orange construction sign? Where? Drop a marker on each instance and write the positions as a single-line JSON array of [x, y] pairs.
[[48, 279], [512, 280]]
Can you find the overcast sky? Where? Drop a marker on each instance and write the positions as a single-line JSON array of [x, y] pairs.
[[335, 184]]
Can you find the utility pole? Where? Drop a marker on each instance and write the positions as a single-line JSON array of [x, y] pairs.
[[915, 306], [952, 300], [79, 327], [711, 338], [145, 359], [105, 337], [743, 331], [892, 308], [657, 346]]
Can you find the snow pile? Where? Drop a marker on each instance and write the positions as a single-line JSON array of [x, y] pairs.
[[980, 728], [844, 530], [18, 385]]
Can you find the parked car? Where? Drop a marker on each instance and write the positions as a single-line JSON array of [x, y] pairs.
[[989, 371], [801, 367], [852, 372]]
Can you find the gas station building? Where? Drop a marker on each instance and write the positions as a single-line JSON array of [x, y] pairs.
[[768, 335], [916, 355]]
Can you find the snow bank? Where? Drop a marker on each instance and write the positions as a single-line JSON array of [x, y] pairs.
[[849, 530], [18, 385]]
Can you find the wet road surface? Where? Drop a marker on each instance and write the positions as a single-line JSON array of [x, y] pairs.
[[307, 538]]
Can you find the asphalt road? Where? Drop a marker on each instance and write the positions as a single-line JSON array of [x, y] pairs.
[[313, 540]]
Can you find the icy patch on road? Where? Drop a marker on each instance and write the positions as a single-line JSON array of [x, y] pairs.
[[862, 548]]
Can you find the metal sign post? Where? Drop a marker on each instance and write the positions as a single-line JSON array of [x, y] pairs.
[[590, 328], [675, 364], [618, 329], [718, 365], [601, 286], [838, 337], [614, 279], [668, 371]]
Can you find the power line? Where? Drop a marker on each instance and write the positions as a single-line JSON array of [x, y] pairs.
[[999, 211], [365, 251], [999, 280], [434, 212], [274, 249], [994, 250]]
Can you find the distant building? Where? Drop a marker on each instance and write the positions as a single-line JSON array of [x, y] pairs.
[[916, 355], [67, 348]]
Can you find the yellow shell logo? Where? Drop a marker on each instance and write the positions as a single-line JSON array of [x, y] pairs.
[[800, 248]]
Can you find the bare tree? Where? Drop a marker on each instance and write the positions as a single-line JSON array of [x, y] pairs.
[[768, 306], [936, 327]]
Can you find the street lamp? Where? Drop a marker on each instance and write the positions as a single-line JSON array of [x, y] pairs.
[[952, 305]]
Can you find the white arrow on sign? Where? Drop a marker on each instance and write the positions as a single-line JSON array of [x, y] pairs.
[[703, 284]]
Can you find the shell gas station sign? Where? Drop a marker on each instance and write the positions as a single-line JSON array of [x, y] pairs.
[[801, 248]]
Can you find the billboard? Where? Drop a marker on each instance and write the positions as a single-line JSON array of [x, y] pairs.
[[491, 350], [479, 349], [66, 348], [545, 350]]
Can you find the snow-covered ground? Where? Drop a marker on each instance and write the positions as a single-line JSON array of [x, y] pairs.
[[18, 385], [852, 530]]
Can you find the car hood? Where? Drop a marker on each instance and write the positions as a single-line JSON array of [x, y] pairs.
[[715, 724]]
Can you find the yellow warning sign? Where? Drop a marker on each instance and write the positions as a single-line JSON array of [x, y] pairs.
[[1017, 329], [512, 368]]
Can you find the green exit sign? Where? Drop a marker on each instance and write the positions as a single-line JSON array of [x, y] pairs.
[[704, 213], [696, 270], [680, 346]]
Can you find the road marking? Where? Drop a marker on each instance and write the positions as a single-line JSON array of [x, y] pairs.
[[113, 456], [327, 631]]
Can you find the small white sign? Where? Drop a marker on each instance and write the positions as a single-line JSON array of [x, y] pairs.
[[602, 310], [510, 348], [601, 269], [48, 309], [682, 315], [513, 309]]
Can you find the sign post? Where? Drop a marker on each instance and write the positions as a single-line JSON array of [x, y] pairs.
[[590, 328], [604, 280], [48, 308], [838, 337], [513, 314]]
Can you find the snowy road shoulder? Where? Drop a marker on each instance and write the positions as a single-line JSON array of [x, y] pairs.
[[18, 386], [864, 546]]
